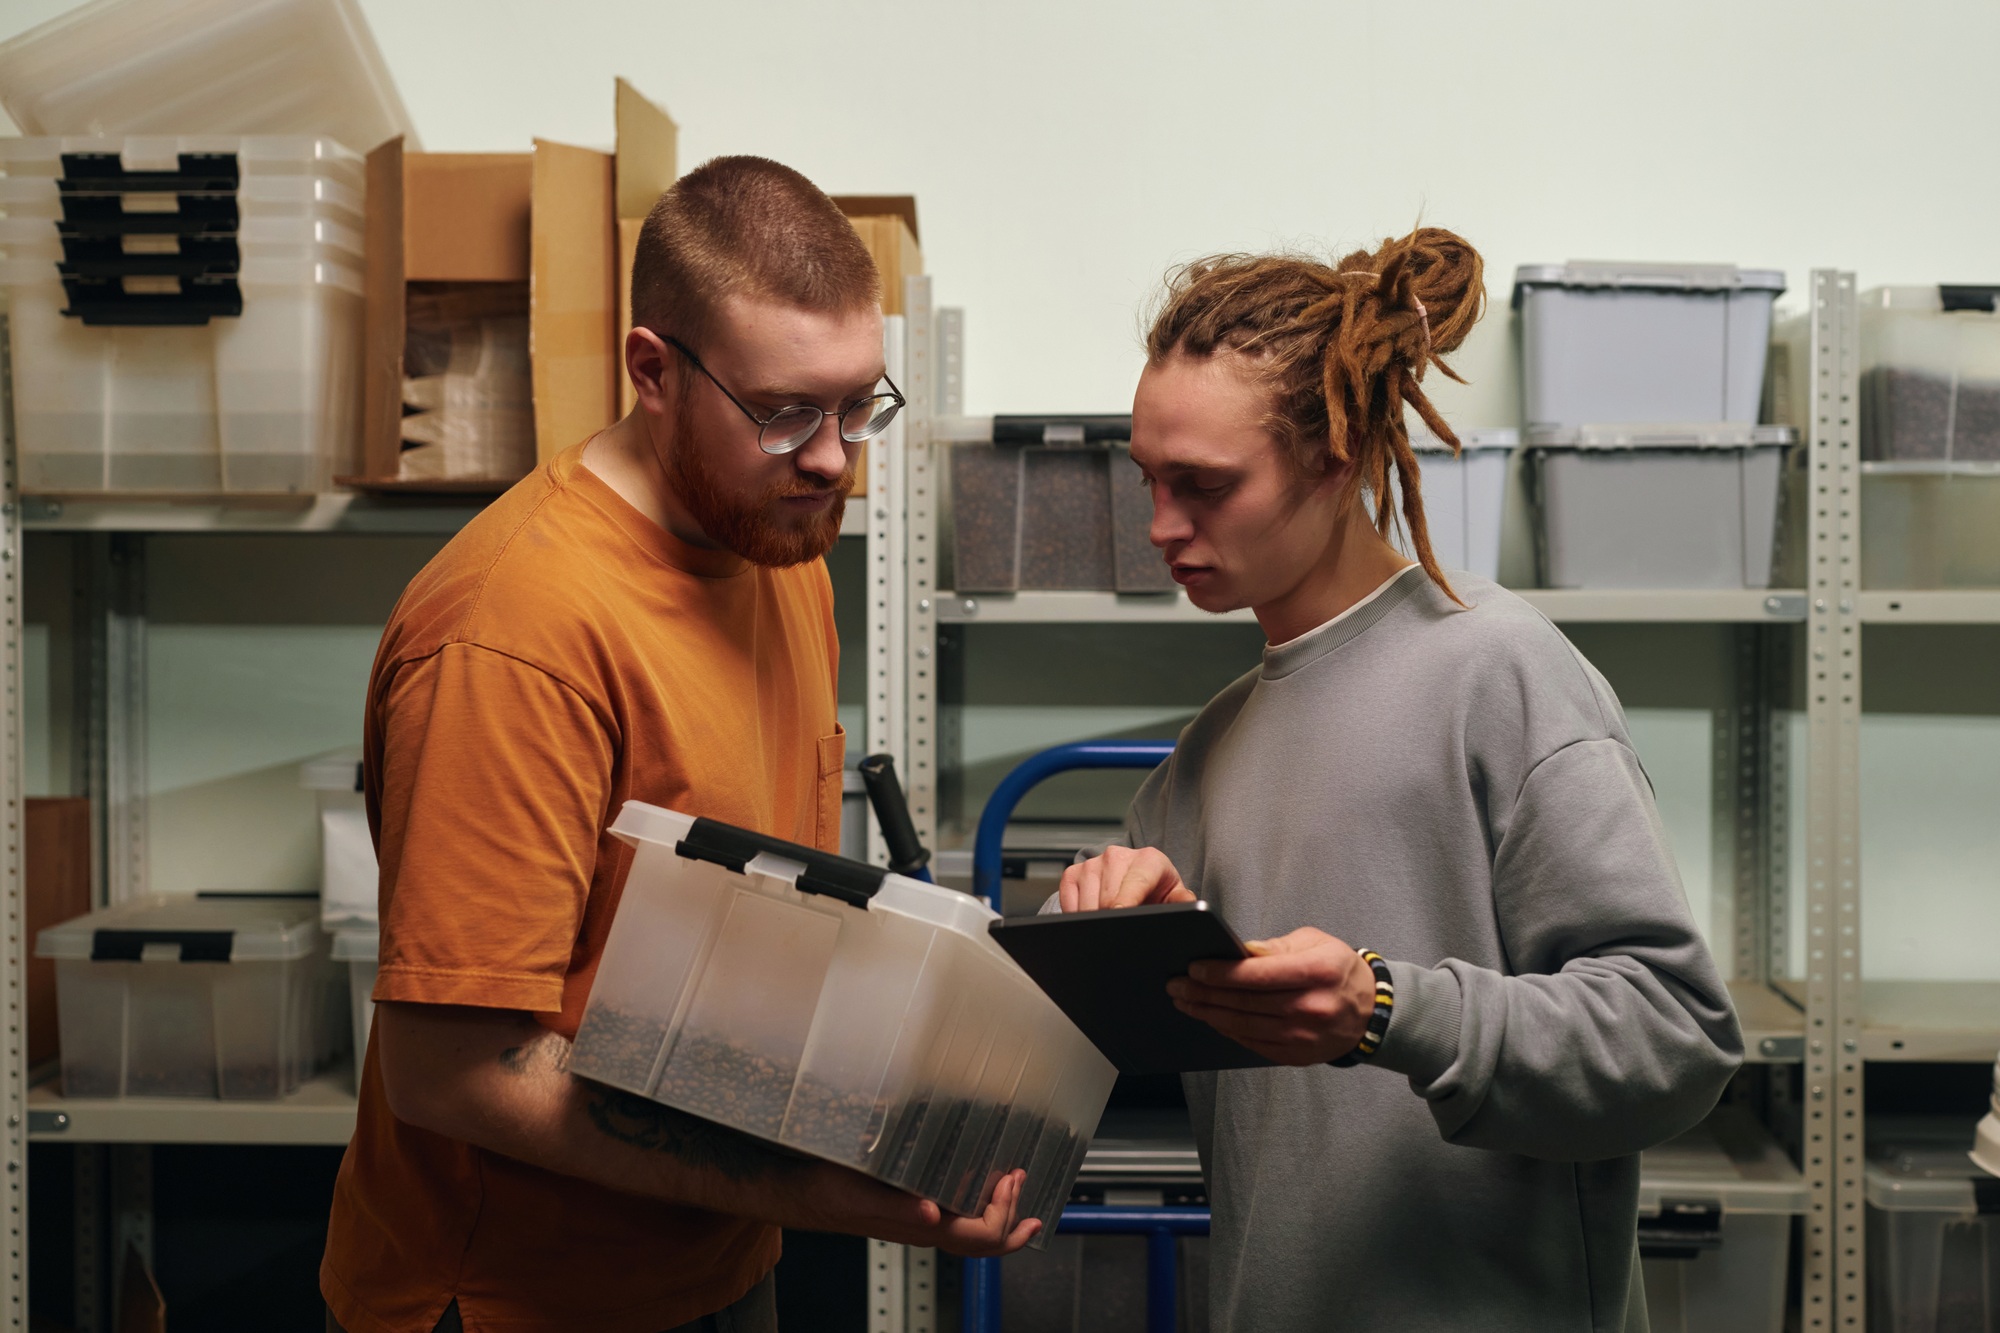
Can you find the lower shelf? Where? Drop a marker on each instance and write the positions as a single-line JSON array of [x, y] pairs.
[[320, 1112]]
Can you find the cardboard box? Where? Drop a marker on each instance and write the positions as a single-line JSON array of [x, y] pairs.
[[57, 881], [887, 224], [433, 219], [648, 163]]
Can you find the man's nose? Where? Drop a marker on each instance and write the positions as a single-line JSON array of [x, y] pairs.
[[824, 454], [1169, 524]]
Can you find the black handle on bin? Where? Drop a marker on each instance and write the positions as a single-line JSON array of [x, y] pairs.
[[906, 855], [1038, 430], [129, 946], [97, 173], [1683, 1229], [1963, 296], [732, 848]]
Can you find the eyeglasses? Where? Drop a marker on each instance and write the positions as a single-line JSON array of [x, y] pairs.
[[790, 427]]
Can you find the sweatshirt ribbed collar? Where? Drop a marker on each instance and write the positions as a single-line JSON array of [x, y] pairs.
[[1281, 660]]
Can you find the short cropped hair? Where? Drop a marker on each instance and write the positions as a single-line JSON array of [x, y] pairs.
[[745, 226]]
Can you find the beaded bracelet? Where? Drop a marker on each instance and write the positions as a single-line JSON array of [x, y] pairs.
[[1378, 1022]]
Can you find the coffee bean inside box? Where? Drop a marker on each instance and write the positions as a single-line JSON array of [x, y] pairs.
[[948, 1149]]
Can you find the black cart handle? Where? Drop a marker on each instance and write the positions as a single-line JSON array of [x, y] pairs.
[[907, 856]]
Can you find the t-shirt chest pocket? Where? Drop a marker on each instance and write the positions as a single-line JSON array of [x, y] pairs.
[[832, 762]]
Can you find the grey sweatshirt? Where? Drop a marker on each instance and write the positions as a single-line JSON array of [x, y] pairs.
[[1456, 790]]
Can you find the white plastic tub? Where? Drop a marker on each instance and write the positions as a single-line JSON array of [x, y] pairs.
[[1667, 507], [841, 1011], [222, 997], [1715, 1228], [358, 947], [349, 873], [268, 401], [204, 66], [1606, 343], [1464, 498], [1933, 1237]]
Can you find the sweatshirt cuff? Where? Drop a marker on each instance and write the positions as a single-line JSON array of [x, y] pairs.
[[1422, 1040]]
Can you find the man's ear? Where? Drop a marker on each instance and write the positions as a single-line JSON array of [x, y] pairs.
[[655, 378]]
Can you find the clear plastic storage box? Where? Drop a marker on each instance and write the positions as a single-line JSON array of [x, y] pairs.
[[359, 947], [1661, 507], [224, 996], [214, 66], [841, 1011], [1715, 1228], [1933, 1234], [1608, 343], [186, 313], [1930, 374], [1465, 497]]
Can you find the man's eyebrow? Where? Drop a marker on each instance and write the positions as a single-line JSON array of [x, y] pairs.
[[790, 394]]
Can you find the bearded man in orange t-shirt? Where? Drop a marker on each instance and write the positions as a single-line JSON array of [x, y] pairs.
[[645, 617]]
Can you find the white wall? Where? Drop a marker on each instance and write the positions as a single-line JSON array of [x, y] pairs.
[[1064, 153]]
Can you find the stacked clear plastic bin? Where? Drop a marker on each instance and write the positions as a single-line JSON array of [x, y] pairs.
[[858, 1016], [185, 313], [225, 997], [1930, 437]]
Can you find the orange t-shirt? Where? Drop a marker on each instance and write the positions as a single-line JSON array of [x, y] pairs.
[[562, 655]]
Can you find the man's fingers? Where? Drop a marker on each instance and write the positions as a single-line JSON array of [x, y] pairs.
[[1277, 1002], [1183, 894], [1283, 971], [1248, 1029], [1147, 879]]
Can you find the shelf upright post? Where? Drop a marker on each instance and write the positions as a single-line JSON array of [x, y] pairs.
[[902, 1280], [113, 666], [920, 557], [13, 962], [1834, 1295], [887, 626]]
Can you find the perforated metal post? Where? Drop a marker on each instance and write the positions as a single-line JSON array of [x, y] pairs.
[[1834, 1296], [920, 558], [887, 628], [13, 962]]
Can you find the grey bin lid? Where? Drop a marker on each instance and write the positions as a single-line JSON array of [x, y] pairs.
[[1728, 1159], [1423, 442], [1921, 1164], [357, 944], [1664, 435], [195, 928], [1634, 277]]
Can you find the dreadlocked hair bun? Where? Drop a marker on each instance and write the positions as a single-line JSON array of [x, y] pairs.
[[1342, 347]]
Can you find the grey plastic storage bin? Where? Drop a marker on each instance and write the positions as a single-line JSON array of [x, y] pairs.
[[1930, 374], [1715, 1228], [1062, 515], [225, 997], [1465, 498], [1933, 1237], [1611, 343], [1668, 507]]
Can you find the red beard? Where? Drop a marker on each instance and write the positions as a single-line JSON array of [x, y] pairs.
[[756, 529]]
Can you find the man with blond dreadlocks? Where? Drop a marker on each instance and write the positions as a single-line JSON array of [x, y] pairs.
[[1424, 765]]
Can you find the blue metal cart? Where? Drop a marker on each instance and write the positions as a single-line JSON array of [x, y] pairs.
[[1162, 1226]]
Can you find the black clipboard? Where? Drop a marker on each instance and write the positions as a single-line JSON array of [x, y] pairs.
[[1109, 971]]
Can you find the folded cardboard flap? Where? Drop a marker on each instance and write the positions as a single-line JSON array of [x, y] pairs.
[[887, 225], [647, 164], [571, 308], [57, 880]]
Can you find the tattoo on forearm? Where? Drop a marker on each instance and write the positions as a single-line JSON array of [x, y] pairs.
[[651, 1127]]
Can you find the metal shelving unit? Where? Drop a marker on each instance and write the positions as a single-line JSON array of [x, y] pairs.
[[112, 1136]]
